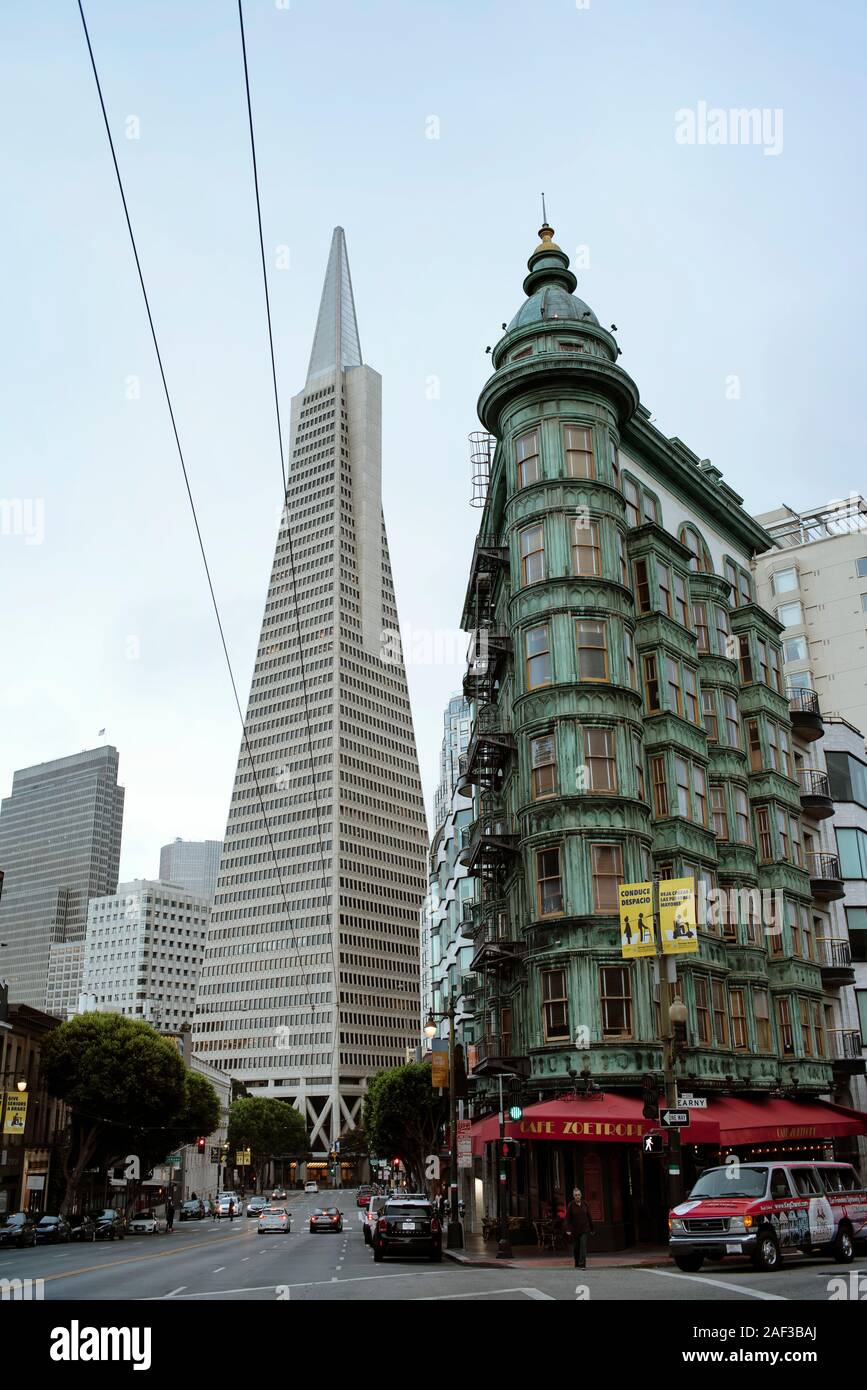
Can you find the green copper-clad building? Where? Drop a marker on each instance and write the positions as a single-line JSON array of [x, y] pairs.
[[630, 720]]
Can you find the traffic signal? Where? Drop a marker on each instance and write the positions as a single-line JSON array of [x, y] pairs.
[[509, 1148], [652, 1144], [650, 1093], [200, 1145], [516, 1112]]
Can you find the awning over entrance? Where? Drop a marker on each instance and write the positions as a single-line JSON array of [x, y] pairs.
[[607, 1118], [743, 1121], [728, 1121]]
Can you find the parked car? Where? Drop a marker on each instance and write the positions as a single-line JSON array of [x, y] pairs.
[[109, 1224], [364, 1196], [407, 1228], [52, 1230], [81, 1227], [257, 1205], [274, 1218], [311, 1187], [762, 1209], [17, 1228], [147, 1223], [326, 1219], [192, 1210], [370, 1216]]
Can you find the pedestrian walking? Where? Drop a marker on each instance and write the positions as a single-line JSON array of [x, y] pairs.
[[215, 1209], [170, 1214], [579, 1224], [231, 1209]]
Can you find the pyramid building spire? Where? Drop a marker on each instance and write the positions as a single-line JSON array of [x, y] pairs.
[[310, 981], [336, 342]]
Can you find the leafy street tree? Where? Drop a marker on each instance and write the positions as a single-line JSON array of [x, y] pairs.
[[403, 1115], [266, 1127], [128, 1091]]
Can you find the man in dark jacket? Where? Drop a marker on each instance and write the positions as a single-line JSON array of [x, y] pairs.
[[579, 1224]]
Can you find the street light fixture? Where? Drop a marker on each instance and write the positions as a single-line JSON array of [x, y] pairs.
[[430, 1027]]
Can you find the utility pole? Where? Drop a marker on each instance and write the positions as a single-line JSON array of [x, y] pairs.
[[454, 1235], [504, 1244], [675, 1171]]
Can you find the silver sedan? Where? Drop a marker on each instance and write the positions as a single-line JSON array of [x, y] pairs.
[[275, 1219]]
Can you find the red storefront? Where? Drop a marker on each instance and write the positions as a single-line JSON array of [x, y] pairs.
[[595, 1143]]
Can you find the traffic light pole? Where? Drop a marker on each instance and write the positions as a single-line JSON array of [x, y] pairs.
[[675, 1170], [504, 1245], [454, 1234]]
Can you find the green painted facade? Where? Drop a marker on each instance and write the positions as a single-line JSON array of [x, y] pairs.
[[621, 652]]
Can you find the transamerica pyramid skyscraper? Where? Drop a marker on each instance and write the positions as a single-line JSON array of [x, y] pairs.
[[310, 982]]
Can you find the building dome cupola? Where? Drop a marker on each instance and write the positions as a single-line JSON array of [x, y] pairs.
[[549, 287]]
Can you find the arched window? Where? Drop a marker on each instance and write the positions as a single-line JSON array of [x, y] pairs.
[[699, 552]]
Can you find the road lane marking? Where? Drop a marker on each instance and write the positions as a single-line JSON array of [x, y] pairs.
[[131, 1260], [720, 1284], [486, 1293], [218, 1271], [321, 1283], [179, 1289]]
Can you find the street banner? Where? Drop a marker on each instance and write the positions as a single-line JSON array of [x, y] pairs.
[[636, 920], [465, 1144], [16, 1112], [242, 1158], [677, 916], [439, 1069]]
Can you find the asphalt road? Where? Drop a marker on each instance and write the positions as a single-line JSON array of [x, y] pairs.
[[205, 1261]]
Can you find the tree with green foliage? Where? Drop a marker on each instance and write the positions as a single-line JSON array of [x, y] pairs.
[[266, 1127], [128, 1091], [403, 1114]]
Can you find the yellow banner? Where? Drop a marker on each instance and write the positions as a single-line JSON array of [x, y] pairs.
[[636, 920], [242, 1158], [677, 916], [439, 1069], [15, 1113]]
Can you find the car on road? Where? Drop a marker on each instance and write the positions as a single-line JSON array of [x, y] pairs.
[[147, 1223], [257, 1205], [52, 1230], [311, 1187], [326, 1219], [109, 1223], [275, 1218], [279, 1194], [81, 1227], [370, 1216], [17, 1228], [192, 1210], [407, 1228], [761, 1209], [224, 1199], [363, 1197]]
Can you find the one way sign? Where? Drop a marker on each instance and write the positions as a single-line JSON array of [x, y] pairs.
[[675, 1119]]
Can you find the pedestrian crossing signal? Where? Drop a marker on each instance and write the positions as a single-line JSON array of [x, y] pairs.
[[652, 1144], [509, 1148]]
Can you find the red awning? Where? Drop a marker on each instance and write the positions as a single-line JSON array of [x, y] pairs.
[[607, 1118], [743, 1121]]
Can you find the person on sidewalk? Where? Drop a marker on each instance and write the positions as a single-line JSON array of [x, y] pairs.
[[579, 1224]]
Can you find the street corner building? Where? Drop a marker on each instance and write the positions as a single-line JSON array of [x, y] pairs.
[[310, 980], [631, 720]]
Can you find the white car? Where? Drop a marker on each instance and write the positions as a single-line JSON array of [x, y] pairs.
[[311, 1187], [275, 1218], [147, 1223], [223, 1200]]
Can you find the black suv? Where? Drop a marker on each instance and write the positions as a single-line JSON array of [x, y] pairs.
[[17, 1228], [192, 1210], [408, 1228]]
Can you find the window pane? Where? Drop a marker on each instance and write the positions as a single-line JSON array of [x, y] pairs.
[[785, 581], [790, 614], [592, 650]]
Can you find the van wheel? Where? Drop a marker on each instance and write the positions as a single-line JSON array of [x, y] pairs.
[[843, 1248], [767, 1254], [690, 1264]]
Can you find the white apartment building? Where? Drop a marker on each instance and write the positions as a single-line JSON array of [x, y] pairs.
[[143, 951]]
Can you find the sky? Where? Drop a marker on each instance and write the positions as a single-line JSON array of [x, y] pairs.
[[733, 269]]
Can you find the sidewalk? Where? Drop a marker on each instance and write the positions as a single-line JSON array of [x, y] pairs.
[[483, 1255]]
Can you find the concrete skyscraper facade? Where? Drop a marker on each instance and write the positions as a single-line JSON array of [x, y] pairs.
[[310, 982], [192, 864], [60, 834], [456, 735]]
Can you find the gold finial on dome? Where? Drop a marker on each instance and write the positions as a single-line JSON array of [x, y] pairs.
[[546, 233]]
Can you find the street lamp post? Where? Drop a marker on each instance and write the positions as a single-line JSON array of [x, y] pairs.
[[454, 1230]]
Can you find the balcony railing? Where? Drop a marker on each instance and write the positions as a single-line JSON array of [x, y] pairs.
[[802, 700], [493, 1045], [844, 1044], [823, 866], [814, 782], [834, 952]]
